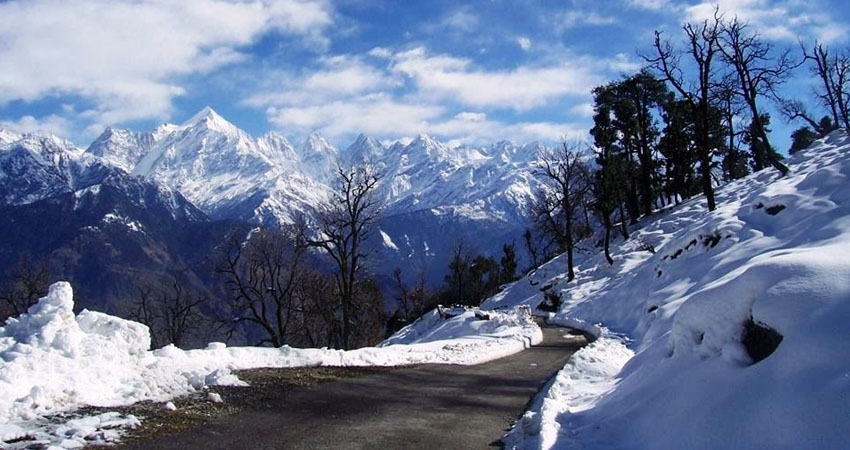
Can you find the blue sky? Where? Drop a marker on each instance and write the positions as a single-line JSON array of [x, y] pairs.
[[466, 72]]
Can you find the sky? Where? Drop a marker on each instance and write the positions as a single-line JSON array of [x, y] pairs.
[[466, 72]]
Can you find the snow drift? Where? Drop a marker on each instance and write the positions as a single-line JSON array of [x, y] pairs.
[[774, 252]]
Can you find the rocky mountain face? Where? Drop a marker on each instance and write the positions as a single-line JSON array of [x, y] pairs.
[[134, 187], [94, 223]]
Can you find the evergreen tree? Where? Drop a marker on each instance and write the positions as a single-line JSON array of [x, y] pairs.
[[802, 138], [677, 147], [508, 263], [759, 153], [639, 95]]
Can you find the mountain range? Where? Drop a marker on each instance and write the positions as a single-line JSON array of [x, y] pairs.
[[206, 171]]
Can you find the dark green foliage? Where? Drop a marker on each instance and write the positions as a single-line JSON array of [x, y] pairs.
[[552, 301], [677, 147], [758, 150], [472, 279], [508, 264], [801, 138], [625, 136]]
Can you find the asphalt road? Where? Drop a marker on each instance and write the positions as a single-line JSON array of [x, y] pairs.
[[424, 407]]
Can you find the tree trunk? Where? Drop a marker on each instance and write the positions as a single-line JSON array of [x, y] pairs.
[[707, 188], [623, 228], [606, 219], [762, 134]]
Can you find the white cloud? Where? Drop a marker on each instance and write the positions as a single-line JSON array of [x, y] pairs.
[[575, 18], [487, 131], [380, 52], [439, 94], [520, 89], [776, 20], [126, 58], [419, 92], [471, 116], [462, 20], [524, 43], [582, 110], [339, 77], [51, 124], [653, 5], [375, 114], [387, 118]]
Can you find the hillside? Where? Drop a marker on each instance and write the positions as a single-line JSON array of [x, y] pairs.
[[678, 327]]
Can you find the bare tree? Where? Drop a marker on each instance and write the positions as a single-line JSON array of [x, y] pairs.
[[457, 280], [734, 161], [26, 283], [559, 204], [703, 46], [170, 309], [759, 73], [262, 276], [320, 323], [794, 109], [411, 299], [344, 225], [833, 70]]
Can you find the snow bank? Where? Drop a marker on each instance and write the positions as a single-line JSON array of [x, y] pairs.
[[588, 375], [52, 361], [456, 322], [774, 251]]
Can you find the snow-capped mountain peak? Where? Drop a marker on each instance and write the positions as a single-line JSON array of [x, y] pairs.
[[8, 136], [365, 149], [318, 157], [208, 118], [121, 148]]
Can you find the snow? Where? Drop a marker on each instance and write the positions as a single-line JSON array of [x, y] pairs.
[[130, 224], [53, 362], [388, 241], [585, 379], [682, 311]]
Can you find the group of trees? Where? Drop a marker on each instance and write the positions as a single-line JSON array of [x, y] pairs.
[[276, 290], [832, 70], [474, 277], [692, 118], [470, 280], [171, 308]]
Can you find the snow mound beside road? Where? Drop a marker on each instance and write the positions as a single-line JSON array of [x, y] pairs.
[[52, 361]]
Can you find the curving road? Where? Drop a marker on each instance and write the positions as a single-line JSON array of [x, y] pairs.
[[423, 407]]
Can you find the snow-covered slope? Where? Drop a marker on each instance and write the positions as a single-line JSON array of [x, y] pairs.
[[775, 251]]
